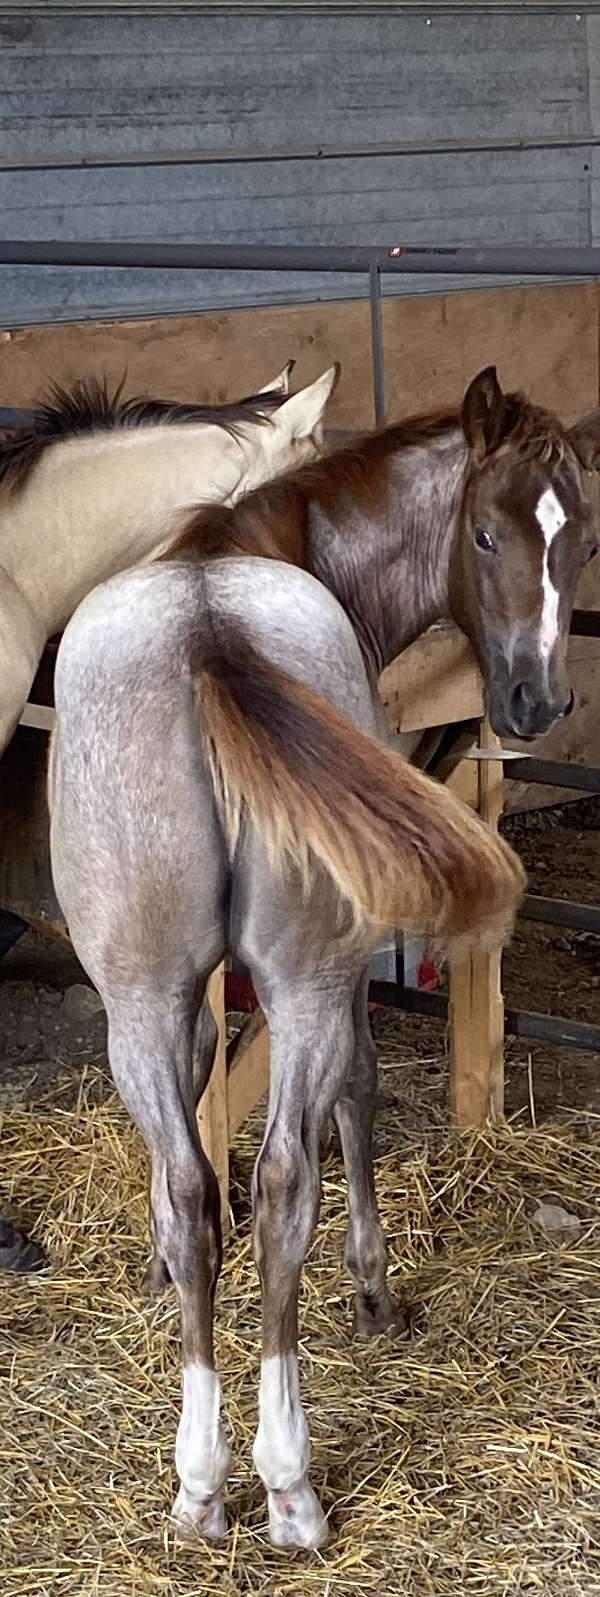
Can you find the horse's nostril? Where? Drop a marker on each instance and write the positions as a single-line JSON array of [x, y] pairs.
[[520, 702]]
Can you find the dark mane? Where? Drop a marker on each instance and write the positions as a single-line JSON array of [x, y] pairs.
[[534, 433], [89, 407], [272, 520]]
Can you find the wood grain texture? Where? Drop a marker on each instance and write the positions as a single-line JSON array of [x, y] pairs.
[[543, 339], [433, 683], [213, 1112], [476, 1007], [248, 1078], [209, 358]]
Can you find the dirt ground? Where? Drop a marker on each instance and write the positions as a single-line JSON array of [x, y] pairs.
[[47, 1037]]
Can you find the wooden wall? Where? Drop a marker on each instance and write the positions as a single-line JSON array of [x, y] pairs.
[[544, 339]]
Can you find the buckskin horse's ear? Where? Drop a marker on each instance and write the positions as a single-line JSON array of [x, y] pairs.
[[584, 438], [484, 413]]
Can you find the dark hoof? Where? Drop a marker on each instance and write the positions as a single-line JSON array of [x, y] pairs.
[[378, 1319], [17, 1253]]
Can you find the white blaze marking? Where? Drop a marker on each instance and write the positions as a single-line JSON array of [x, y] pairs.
[[550, 517], [281, 1449], [201, 1453]]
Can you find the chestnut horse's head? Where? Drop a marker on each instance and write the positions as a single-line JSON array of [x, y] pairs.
[[527, 529]]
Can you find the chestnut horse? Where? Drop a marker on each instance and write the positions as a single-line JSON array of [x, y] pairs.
[[216, 782]]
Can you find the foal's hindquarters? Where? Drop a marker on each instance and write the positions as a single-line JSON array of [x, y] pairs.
[[158, 873]]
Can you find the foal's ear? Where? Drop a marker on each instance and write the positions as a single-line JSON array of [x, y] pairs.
[[484, 413], [584, 438], [281, 383], [301, 415]]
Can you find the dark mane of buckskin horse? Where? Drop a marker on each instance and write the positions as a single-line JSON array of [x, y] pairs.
[[273, 519], [90, 407]]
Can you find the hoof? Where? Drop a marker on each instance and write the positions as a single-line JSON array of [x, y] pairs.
[[382, 1318], [193, 1519], [17, 1253], [296, 1518]]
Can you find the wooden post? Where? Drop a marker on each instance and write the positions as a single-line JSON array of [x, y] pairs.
[[476, 1003], [248, 1077], [213, 1112]]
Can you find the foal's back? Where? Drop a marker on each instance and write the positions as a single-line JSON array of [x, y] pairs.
[[151, 891]]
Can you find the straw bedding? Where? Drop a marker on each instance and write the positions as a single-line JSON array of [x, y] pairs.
[[464, 1459]]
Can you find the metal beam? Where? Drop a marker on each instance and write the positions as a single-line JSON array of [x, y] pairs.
[[527, 1024], [554, 773], [559, 912], [395, 259]]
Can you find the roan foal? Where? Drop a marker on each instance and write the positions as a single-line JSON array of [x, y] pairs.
[[216, 783]]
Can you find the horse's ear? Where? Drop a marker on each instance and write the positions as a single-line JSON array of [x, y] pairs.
[[484, 413], [301, 415], [281, 383], [584, 438]]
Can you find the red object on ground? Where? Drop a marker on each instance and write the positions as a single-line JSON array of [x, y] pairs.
[[427, 977]]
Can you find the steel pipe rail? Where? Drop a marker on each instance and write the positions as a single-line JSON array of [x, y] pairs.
[[554, 773], [560, 912], [523, 260], [524, 1023]]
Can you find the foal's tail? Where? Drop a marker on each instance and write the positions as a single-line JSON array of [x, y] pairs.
[[400, 848]]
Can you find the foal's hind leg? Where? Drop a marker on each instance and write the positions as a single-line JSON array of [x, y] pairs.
[[151, 1048], [206, 1036], [311, 1047], [366, 1252]]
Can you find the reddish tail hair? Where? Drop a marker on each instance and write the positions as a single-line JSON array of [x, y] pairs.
[[400, 848]]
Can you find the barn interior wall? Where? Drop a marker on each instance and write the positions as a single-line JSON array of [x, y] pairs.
[[468, 127], [542, 338]]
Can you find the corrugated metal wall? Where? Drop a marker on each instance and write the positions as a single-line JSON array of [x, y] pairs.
[[263, 93]]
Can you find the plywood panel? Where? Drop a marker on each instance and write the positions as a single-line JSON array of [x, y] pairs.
[[433, 683], [208, 358], [543, 339]]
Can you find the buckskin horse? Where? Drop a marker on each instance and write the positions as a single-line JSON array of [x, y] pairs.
[[94, 483]]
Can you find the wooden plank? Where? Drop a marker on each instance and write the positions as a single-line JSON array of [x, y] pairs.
[[463, 777], [543, 338], [476, 1011], [435, 682], [213, 1116], [209, 358], [248, 1079]]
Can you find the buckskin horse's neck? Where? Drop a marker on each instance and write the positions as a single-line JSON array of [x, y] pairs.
[[388, 565]]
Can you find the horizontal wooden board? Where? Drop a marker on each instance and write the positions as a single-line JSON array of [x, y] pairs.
[[207, 358], [434, 683], [543, 339]]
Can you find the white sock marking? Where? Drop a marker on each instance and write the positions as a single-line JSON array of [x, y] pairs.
[[282, 1448], [550, 517], [201, 1453]]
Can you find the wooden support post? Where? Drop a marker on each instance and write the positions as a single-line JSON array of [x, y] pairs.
[[213, 1112], [476, 1003], [248, 1077]]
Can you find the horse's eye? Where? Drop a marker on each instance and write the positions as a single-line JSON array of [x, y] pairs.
[[484, 540]]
